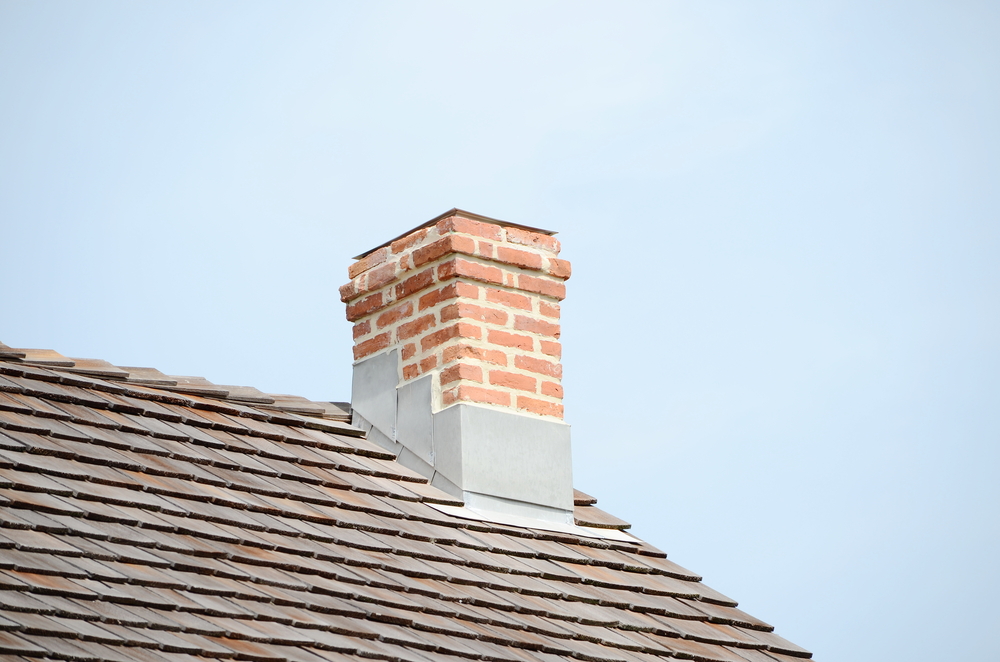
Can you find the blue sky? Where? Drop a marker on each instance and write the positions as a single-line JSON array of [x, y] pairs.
[[781, 350]]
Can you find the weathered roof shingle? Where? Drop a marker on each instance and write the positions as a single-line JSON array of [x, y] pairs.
[[153, 518]]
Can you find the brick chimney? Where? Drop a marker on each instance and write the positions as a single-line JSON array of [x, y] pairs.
[[456, 332]]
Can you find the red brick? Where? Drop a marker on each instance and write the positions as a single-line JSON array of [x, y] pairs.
[[540, 407], [468, 226], [406, 262], [356, 311], [559, 268], [551, 348], [371, 346], [466, 393], [462, 371], [494, 356], [373, 259], [409, 240], [511, 299], [474, 312], [458, 267], [513, 380], [415, 327], [362, 328], [409, 351], [428, 363], [533, 239], [519, 258], [460, 330], [510, 340], [415, 283], [395, 314], [542, 285], [450, 291], [548, 309], [541, 327], [410, 371], [484, 249], [444, 246], [349, 291], [381, 276], [553, 389], [541, 366]]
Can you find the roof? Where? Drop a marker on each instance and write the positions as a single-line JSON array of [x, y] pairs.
[[157, 518]]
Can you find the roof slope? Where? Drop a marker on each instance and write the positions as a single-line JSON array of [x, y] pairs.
[[146, 517]]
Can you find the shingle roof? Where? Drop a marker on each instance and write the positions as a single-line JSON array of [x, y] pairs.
[[149, 517]]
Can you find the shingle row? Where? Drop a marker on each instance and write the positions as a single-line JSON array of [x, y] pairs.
[[139, 522]]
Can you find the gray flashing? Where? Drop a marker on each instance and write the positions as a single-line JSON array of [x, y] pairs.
[[373, 391], [518, 465], [414, 420], [506, 455]]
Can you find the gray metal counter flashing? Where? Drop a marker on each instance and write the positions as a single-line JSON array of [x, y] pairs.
[[509, 463]]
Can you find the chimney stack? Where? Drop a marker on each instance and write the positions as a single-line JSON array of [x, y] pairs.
[[456, 332]]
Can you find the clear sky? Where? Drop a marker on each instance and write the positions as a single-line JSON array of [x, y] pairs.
[[781, 336]]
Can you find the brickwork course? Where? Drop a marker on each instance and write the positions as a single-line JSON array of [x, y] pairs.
[[168, 519], [473, 303]]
